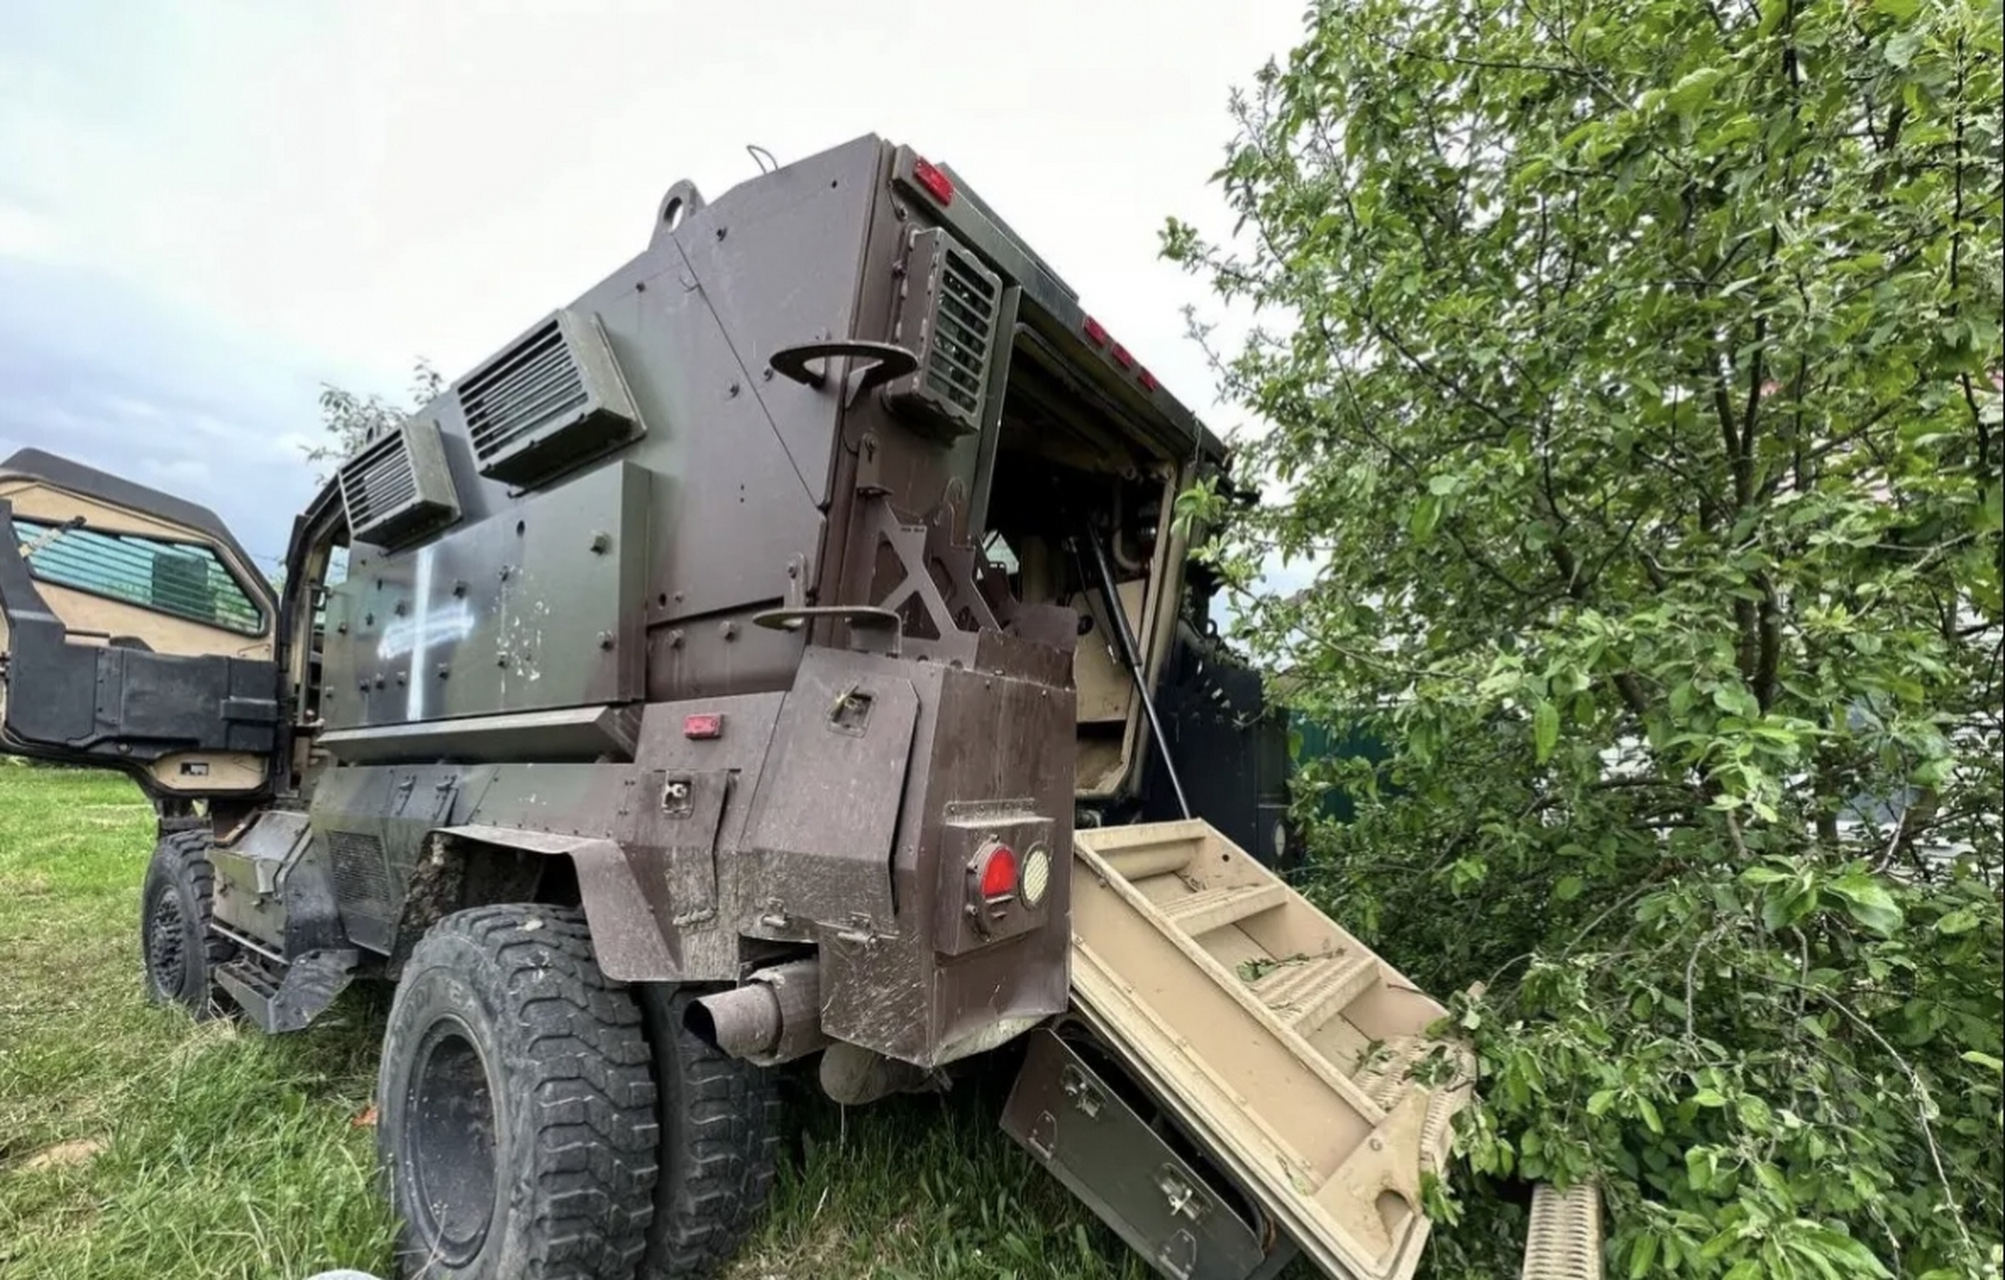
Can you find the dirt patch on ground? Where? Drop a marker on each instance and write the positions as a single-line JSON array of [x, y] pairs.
[[64, 1155]]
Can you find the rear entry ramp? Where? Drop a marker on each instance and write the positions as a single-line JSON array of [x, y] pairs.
[[1240, 1077]]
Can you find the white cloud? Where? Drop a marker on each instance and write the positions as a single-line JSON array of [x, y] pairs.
[[25, 234]]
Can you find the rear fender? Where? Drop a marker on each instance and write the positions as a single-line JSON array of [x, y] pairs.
[[628, 939]]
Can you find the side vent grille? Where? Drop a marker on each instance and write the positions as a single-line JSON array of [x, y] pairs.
[[947, 318], [361, 877], [553, 398], [398, 487]]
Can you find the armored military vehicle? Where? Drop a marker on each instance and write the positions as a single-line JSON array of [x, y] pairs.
[[779, 650]]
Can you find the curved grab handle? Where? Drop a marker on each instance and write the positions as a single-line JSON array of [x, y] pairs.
[[889, 361], [874, 630]]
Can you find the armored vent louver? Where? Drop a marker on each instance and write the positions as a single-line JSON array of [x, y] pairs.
[[947, 318], [551, 399], [398, 487]]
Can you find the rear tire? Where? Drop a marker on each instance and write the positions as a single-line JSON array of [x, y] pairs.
[[516, 1104], [179, 953], [720, 1138]]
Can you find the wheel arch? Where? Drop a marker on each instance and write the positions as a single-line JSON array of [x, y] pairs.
[[463, 867]]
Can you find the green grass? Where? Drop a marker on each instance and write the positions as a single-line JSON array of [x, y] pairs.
[[137, 1144]]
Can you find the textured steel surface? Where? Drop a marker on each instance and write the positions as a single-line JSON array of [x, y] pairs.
[[1106, 1143], [1564, 1240]]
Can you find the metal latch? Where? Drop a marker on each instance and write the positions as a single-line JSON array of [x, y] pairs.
[[1085, 1095], [1184, 1199]]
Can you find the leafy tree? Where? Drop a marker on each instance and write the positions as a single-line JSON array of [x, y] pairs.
[[349, 420], [1630, 374]]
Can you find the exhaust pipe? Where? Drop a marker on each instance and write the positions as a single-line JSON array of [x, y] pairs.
[[774, 1017]]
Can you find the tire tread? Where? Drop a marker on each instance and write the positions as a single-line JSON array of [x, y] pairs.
[[582, 1060]]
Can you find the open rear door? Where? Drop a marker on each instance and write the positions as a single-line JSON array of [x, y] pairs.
[[1249, 1075], [134, 633]]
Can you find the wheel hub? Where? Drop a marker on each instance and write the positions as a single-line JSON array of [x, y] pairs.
[[449, 1148], [166, 932]]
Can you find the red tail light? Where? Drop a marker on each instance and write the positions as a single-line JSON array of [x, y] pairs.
[[999, 872], [1096, 333], [937, 184]]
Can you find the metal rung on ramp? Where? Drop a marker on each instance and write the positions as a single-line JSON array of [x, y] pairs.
[[1564, 1242], [1217, 908]]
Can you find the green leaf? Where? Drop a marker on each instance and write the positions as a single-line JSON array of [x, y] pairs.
[[1780, 910], [1984, 1060], [1545, 730], [1648, 1110], [1754, 1113], [1856, 1257], [1962, 920], [1868, 902], [1693, 88], [1426, 515], [1568, 888], [1642, 1257], [1710, 1098]]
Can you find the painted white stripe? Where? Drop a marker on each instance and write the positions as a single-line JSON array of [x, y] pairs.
[[421, 609]]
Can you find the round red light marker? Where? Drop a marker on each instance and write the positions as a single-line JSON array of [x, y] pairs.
[[999, 873]]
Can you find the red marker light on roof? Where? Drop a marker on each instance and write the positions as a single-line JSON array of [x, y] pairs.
[[937, 184], [1147, 379], [707, 724], [1121, 356], [1095, 332], [999, 872]]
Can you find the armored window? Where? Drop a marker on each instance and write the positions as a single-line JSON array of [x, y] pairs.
[[180, 579]]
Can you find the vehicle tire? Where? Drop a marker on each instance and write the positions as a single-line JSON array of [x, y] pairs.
[[720, 1141], [179, 954], [515, 1104]]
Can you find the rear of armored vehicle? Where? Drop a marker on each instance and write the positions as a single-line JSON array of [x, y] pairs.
[[753, 582], [711, 677], [756, 607]]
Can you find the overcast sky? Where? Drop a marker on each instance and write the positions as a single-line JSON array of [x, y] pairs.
[[208, 209]]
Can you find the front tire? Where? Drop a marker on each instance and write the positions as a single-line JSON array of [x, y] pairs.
[[179, 953], [516, 1104]]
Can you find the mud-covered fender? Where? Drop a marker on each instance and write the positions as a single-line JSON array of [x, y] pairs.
[[625, 933]]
